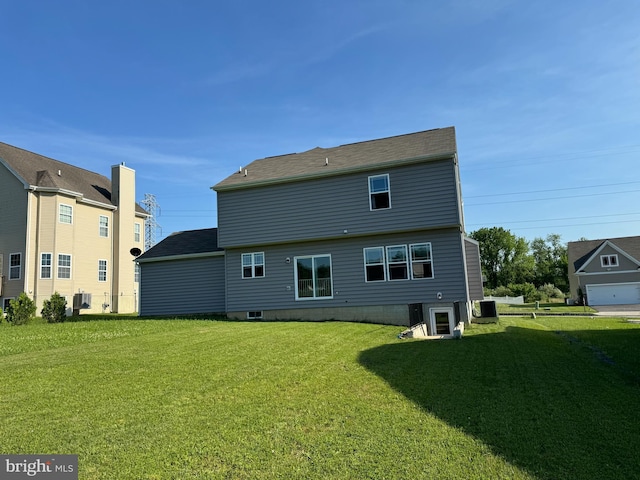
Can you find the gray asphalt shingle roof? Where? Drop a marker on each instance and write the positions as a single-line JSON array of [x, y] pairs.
[[437, 143], [41, 171], [580, 252], [189, 242]]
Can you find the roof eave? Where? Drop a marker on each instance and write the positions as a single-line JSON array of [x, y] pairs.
[[341, 171], [163, 258]]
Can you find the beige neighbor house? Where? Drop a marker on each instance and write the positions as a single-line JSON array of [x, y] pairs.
[[68, 230]]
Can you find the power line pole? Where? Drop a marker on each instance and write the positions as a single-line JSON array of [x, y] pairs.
[[150, 224]]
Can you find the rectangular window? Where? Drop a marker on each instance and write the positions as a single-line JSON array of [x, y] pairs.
[[379, 192], [421, 266], [254, 315], [253, 265], [64, 265], [397, 264], [45, 265], [104, 226], [136, 232], [15, 266], [374, 264], [313, 277], [66, 213], [609, 260], [136, 274], [102, 270]]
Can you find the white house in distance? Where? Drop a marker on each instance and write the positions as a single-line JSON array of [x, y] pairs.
[[370, 231]]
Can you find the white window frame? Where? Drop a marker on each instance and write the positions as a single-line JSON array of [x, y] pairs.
[[136, 273], [256, 269], [314, 285], [605, 261], [373, 192], [429, 261], [102, 270], [65, 215], [43, 266], [137, 229], [103, 227], [450, 318], [64, 266], [254, 315], [391, 263], [13, 268], [382, 263]]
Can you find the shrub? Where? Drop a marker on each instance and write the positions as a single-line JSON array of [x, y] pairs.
[[548, 291], [54, 310], [527, 290], [21, 310]]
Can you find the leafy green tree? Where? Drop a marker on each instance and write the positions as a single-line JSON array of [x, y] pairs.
[[21, 310], [54, 310], [550, 257], [504, 257]]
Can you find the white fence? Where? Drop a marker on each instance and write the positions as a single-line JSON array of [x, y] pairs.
[[511, 300]]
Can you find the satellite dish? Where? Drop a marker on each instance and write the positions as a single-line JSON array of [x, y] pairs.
[[135, 251]]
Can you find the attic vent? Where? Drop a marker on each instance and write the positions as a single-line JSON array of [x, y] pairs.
[[59, 173]]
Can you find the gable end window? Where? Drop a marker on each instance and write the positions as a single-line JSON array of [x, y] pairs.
[[65, 213], [253, 265], [104, 226], [609, 260], [15, 266], [379, 192]]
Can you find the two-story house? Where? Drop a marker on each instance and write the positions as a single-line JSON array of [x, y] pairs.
[[68, 230], [370, 231], [606, 271]]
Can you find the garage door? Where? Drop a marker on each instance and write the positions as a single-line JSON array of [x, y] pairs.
[[613, 294]]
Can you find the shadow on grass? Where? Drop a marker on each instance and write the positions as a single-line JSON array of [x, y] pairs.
[[544, 402]]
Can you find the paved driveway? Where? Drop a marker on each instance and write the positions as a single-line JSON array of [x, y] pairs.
[[618, 310]]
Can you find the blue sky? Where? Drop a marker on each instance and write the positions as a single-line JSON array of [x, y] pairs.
[[545, 96]]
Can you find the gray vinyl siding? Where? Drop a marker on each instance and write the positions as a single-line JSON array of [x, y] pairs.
[[13, 229], [422, 196], [182, 286], [605, 278], [474, 271], [624, 264], [277, 289]]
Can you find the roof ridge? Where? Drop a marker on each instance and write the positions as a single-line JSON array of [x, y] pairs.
[[52, 159], [393, 136]]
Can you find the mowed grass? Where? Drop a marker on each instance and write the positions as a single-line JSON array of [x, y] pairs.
[[168, 399]]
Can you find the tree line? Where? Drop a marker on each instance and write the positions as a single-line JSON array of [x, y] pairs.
[[513, 265]]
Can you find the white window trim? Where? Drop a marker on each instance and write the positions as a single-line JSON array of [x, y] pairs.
[[253, 265], [389, 263], [137, 232], [70, 267], [388, 191], [12, 267], [106, 269], [100, 226], [609, 257], [433, 272], [432, 319], [384, 264], [50, 265], [70, 222], [295, 276]]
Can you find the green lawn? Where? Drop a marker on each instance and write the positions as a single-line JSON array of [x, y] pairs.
[[546, 398], [551, 307]]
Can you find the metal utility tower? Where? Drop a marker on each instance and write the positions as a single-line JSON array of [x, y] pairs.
[[150, 224]]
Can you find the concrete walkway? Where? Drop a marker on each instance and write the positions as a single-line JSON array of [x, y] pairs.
[[617, 310]]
